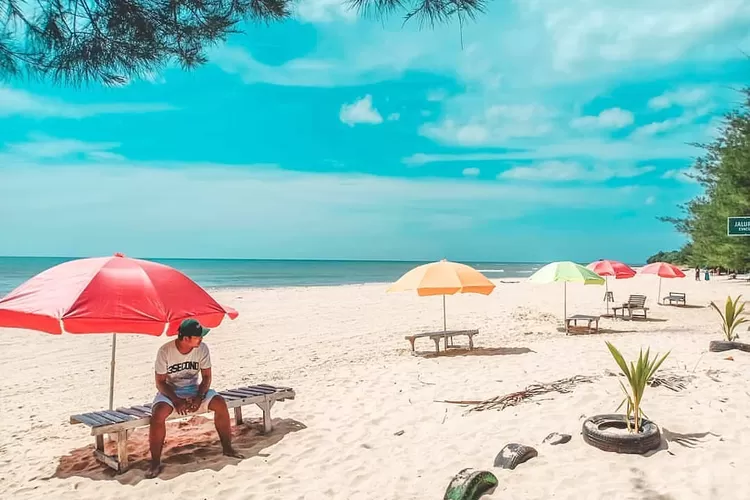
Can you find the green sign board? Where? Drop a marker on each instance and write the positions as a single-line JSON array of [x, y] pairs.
[[738, 226]]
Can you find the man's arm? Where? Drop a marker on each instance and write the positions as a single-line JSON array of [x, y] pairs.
[[166, 389], [205, 383]]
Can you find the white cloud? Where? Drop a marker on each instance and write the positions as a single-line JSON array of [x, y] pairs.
[[394, 117], [360, 111], [125, 201], [495, 125], [470, 172], [595, 148], [684, 97], [41, 146], [437, 95], [613, 118], [324, 11], [682, 175], [22, 103], [650, 200], [686, 118], [559, 171]]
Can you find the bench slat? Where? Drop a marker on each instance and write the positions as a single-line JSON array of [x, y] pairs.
[[229, 397], [276, 389], [253, 392], [104, 416], [116, 415], [145, 409], [244, 395], [86, 419], [265, 390], [133, 412]]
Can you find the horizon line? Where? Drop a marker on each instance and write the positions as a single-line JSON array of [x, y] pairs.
[[244, 259]]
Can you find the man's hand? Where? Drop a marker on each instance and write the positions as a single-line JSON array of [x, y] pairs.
[[181, 406], [194, 403]]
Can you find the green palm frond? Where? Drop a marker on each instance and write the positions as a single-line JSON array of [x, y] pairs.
[[637, 374]]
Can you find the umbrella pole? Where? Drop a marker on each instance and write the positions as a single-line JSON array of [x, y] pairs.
[[565, 305], [606, 292], [658, 297], [112, 371], [445, 326]]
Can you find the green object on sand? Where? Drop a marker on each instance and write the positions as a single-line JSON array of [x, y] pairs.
[[566, 271], [470, 484]]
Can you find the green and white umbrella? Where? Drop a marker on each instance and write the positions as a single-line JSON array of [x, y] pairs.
[[566, 272]]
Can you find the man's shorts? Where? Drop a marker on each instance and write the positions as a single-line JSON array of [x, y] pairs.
[[187, 392]]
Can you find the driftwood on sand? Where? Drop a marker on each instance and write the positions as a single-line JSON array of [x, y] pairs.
[[501, 402]]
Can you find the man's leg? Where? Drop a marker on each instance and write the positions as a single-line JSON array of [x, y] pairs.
[[156, 433], [223, 425]]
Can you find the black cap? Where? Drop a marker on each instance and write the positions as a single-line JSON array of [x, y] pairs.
[[192, 328]]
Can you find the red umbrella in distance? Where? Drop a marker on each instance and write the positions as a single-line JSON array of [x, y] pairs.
[[662, 270], [110, 295], [608, 268]]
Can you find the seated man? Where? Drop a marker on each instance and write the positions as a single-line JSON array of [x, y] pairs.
[[178, 363]]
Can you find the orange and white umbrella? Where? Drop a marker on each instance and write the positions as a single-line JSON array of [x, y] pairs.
[[443, 278]]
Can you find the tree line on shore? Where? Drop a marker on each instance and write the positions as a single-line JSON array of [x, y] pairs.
[[723, 172]]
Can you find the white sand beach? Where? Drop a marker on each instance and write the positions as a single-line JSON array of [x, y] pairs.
[[342, 349]]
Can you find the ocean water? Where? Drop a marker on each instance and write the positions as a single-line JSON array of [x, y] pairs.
[[267, 273]]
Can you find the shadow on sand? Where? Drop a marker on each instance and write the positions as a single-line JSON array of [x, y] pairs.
[[477, 351], [190, 446], [684, 306]]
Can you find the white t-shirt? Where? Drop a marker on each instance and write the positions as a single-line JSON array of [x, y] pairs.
[[182, 369]]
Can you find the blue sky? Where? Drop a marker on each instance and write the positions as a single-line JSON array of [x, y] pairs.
[[559, 130]]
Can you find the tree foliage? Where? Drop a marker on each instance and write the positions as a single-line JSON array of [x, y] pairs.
[[109, 41], [724, 174]]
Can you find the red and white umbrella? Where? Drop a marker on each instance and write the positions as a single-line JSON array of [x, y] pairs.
[[609, 268], [662, 270], [110, 295]]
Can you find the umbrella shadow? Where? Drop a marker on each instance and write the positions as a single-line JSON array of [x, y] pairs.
[[685, 306], [190, 446], [575, 332], [477, 351]]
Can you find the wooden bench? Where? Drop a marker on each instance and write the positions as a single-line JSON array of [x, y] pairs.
[[676, 297], [448, 336], [634, 303], [122, 421], [590, 320]]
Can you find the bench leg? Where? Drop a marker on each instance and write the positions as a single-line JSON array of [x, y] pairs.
[[411, 341], [100, 443], [437, 345], [238, 415], [122, 450], [471, 342], [266, 407]]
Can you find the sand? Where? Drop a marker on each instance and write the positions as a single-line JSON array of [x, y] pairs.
[[342, 349]]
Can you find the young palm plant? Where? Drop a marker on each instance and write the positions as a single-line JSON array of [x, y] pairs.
[[731, 318], [637, 374]]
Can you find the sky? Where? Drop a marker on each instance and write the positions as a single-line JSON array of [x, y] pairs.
[[543, 130]]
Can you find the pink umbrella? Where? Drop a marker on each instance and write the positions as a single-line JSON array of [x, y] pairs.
[[608, 268], [110, 295], [662, 270]]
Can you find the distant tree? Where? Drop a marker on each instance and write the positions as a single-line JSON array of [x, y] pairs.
[[724, 173], [110, 41]]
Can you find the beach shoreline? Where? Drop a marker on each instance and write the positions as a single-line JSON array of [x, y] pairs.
[[342, 349]]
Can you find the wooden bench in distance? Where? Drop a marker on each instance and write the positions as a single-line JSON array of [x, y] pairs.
[[436, 336], [634, 303], [122, 421], [676, 297], [592, 324]]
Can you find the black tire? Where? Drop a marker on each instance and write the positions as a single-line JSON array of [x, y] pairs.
[[723, 345], [596, 433], [514, 454]]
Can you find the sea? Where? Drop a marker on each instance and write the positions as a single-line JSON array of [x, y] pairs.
[[225, 273]]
